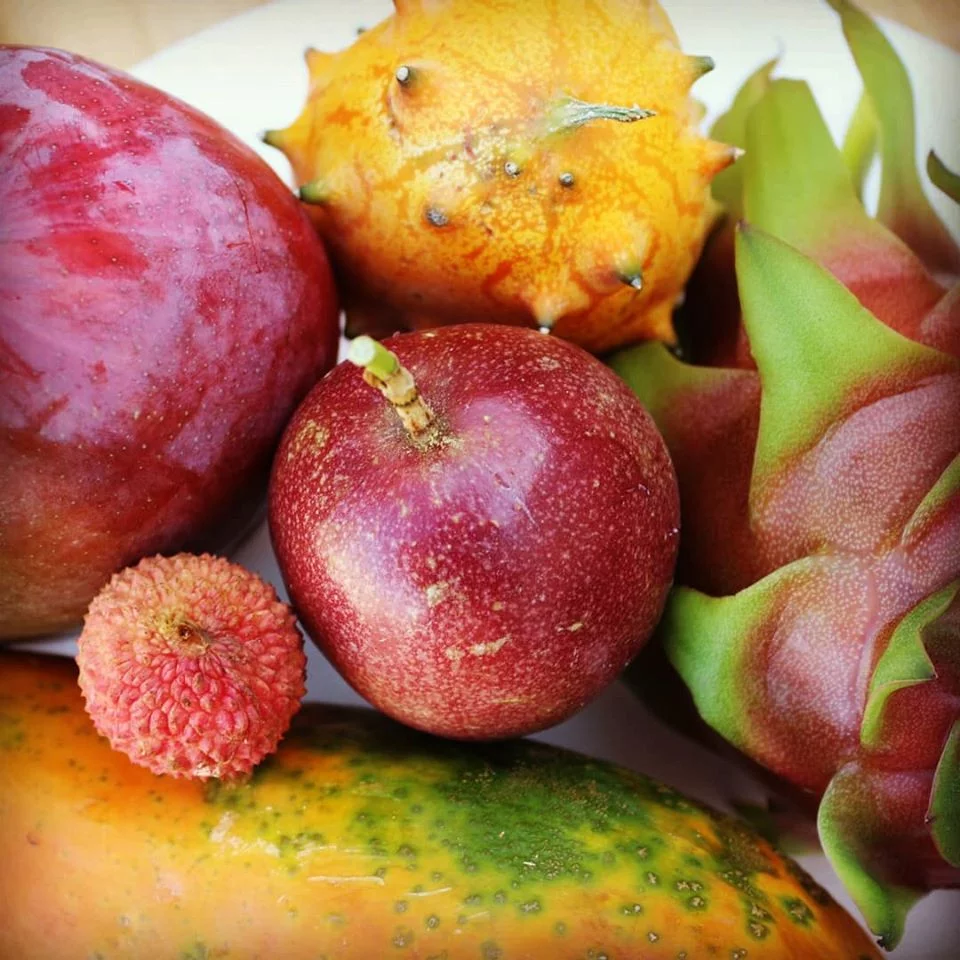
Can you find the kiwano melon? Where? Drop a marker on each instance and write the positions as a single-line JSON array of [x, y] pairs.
[[534, 162], [361, 839]]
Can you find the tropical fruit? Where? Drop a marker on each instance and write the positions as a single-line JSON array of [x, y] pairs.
[[164, 306], [362, 839], [456, 181], [818, 628], [902, 265], [191, 666], [507, 514]]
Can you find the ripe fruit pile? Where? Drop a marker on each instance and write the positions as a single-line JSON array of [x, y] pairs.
[[478, 524]]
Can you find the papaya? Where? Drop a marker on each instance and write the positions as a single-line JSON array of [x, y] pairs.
[[360, 839]]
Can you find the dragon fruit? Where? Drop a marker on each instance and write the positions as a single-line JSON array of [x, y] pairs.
[[456, 181], [818, 622], [800, 191]]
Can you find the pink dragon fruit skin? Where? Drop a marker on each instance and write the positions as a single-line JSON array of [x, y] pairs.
[[818, 625], [900, 265]]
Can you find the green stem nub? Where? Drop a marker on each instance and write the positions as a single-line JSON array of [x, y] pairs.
[[701, 66], [315, 192], [382, 369], [571, 113], [373, 357]]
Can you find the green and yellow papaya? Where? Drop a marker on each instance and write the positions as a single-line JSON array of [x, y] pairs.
[[361, 840]]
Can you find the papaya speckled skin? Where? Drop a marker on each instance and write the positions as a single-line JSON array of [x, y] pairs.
[[360, 839], [456, 181]]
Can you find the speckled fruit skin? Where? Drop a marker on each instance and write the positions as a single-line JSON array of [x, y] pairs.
[[456, 190], [361, 839], [191, 666], [492, 582], [164, 305]]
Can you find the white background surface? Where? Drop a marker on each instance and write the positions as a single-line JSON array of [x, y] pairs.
[[248, 73]]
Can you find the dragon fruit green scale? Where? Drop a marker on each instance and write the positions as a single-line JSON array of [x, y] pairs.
[[455, 180], [903, 264], [815, 429], [836, 662]]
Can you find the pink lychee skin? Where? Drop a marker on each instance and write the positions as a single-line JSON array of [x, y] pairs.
[[491, 584], [191, 666]]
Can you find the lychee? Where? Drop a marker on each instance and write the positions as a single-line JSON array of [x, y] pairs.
[[191, 666]]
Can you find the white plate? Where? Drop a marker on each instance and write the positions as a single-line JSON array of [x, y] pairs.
[[248, 73]]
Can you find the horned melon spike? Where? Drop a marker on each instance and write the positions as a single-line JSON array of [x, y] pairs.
[[316, 192], [628, 264], [276, 138], [717, 156], [546, 307], [317, 60], [549, 304], [701, 66], [319, 64]]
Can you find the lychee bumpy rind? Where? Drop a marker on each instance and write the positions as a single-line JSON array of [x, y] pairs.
[[191, 666]]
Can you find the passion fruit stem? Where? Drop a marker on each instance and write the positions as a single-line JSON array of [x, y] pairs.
[[382, 369]]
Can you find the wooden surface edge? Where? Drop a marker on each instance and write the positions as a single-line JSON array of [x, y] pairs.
[[123, 32]]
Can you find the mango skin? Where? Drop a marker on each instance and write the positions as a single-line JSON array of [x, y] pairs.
[[164, 307], [361, 839]]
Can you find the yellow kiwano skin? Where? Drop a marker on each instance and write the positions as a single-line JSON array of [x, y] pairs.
[[532, 162], [361, 840]]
